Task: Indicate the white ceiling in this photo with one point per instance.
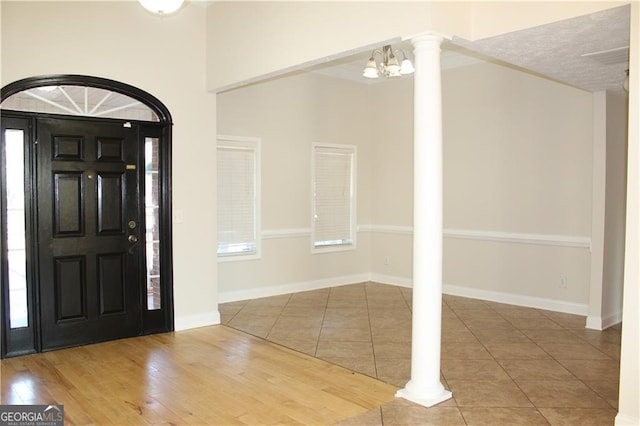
(588, 52)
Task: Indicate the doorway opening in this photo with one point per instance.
(85, 209)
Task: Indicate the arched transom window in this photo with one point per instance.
(82, 101)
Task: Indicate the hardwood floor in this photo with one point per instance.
(211, 375)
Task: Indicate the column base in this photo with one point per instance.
(425, 398)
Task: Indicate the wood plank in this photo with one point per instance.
(210, 375)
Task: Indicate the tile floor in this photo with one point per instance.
(505, 365)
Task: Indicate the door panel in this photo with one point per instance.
(111, 191)
(87, 191)
(68, 207)
(70, 288)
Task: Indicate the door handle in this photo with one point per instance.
(133, 239)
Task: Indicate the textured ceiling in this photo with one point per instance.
(558, 50)
(589, 52)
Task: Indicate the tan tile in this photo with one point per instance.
(473, 369)
(343, 313)
(447, 312)
(389, 311)
(453, 324)
(596, 337)
(516, 351)
(311, 294)
(390, 322)
(248, 313)
(393, 370)
(506, 335)
(467, 357)
(270, 301)
(407, 292)
(567, 320)
(477, 313)
(503, 416)
(353, 295)
(391, 334)
(242, 319)
(229, 310)
(279, 332)
(534, 324)
(611, 349)
(350, 289)
(347, 303)
(539, 369)
(344, 349)
(459, 336)
(392, 349)
(573, 351)
(346, 322)
(397, 380)
(392, 302)
(464, 350)
(488, 323)
(561, 394)
(303, 311)
(591, 369)
(607, 389)
(305, 346)
(579, 416)
(457, 302)
(364, 365)
(510, 312)
(487, 393)
(552, 336)
(255, 329)
(368, 418)
(299, 322)
(402, 412)
(361, 334)
(378, 288)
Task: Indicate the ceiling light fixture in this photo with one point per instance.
(161, 7)
(388, 65)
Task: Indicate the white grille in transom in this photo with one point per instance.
(79, 101)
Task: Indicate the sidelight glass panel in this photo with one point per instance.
(152, 220)
(16, 228)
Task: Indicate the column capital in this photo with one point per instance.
(430, 36)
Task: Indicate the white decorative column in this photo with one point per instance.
(425, 387)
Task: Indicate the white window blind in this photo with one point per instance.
(333, 196)
(238, 197)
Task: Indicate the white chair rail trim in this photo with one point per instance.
(465, 234)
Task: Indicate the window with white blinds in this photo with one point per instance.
(334, 195)
(238, 196)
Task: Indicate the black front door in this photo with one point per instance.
(88, 227)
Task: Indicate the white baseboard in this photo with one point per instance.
(197, 320)
(473, 293)
(497, 296)
(391, 280)
(600, 323)
(517, 299)
(624, 420)
(256, 293)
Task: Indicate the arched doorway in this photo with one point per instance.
(85, 211)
